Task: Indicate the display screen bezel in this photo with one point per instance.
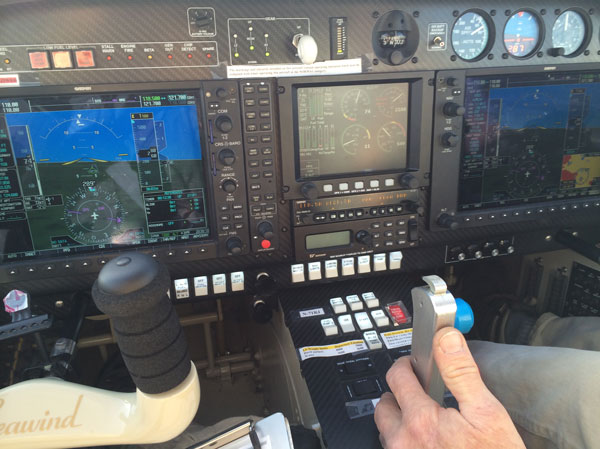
(146, 88)
(405, 159)
(517, 202)
(421, 89)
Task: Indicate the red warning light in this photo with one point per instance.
(109, 58)
(190, 56)
(266, 244)
(169, 56)
(208, 55)
(129, 57)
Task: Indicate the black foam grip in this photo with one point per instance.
(132, 291)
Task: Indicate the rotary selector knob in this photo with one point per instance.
(222, 92)
(224, 124)
(451, 81)
(265, 230)
(364, 237)
(447, 221)
(452, 109)
(234, 245)
(309, 191)
(449, 140)
(229, 186)
(409, 181)
(227, 156)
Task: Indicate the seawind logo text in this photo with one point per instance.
(47, 423)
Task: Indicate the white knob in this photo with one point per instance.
(307, 48)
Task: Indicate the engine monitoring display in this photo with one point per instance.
(79, 173)
(530, 138)
(351, 129)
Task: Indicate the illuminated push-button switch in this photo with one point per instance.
(379, 262)
(39, 60)
(329, 327)
(363, 321)
(348, 266)
(298, 273)
(182, 288)
(201, 285)
(380, 318)
(331, 269)
(338, 305)
(314, 271)
(61, 59)
(370, 300)
(237, 281)
(354, 302)
(219, 283)
(364, 264)
(85, 59)
(395, 260)
(374, 183)
(346, 323)
(372, 339)
(265, 244)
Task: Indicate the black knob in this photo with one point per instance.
(221, 92)
(452, 109)
(414, 207)
(413, 230)
(309, 191)
(409, 181)
(447, 221)
(234, 245)
(229, 186)
(224, 124)
(449, 139)
(364, 237)
(451, 81)
(558, 51)
(261, 311)
(132, 290)
(265, 230)
(227, 156)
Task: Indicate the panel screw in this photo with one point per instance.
(507, 12)
(504, 55)
(540, 54)
(416, 14)
(415, 60)
(490, 56)
(557, 12)
(375, 14)
(453, 58)
(375, 61)
(281, 90)
(543, 12)
(587, 52)
(455, 13)
(493, 12)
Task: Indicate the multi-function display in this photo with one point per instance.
(351, 129)
(530, 138)
(79, 173)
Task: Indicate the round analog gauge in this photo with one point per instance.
(393, 101)
(569, 32)
(470, 36)
(391, 136)
(522, 34)
(356, 103)
(355, 139)
(93, 215)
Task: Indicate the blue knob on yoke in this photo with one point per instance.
(464, 319)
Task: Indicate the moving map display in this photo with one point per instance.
(351, 129)
(79, 173)
(530, 138)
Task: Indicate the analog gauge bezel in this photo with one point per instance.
(541, 35)
(588, 32)
(491, 34)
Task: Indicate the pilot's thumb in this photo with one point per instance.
(458, 368)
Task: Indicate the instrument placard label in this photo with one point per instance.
(397, 339)
(348, 347)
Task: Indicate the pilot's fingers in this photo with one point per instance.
(406, 387)
(388, 416)
(458, 369)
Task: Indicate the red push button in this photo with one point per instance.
(85, 59)
(266, 244)
(39, 60)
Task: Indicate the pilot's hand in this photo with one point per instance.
(410, 419)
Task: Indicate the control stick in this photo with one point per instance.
(132, 290)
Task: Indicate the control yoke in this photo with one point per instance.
(51, 413)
